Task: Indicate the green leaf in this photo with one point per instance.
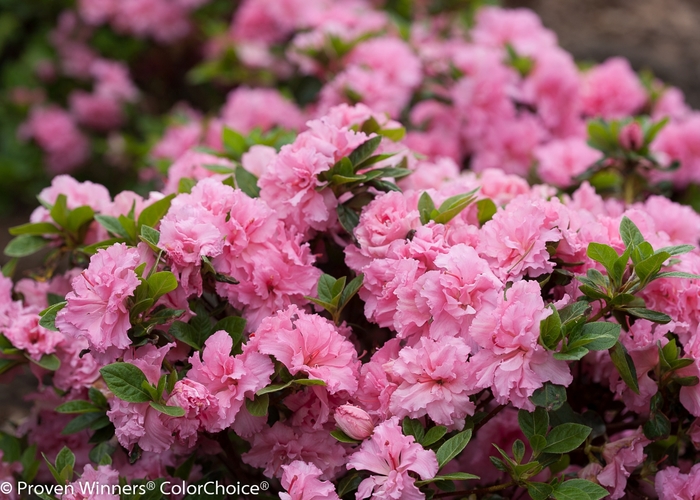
(47, 362)
(630, 233)
(604, 254)
(453, 447)
(153, 213)
(112, 225)
(349, 484)
(536, 422)
(25, 244)
(597, 336)
(658, 427)
(59, 211)
(126, 382)
(676, 250)
(364, 150)
(274, 388)
(550, 330)
(186, 184)
(453, 476)
(676, 274)
(129, 226)
(348, 218)
(234, 142)
(518, 450)
(161, 283)
(342, 437)
(77, 406)
(571, 354)
(35, 228)
(350, 290)
(655, 316)
(97, 397)
(433, 435)
(650, 266)
(247, 182)
(539, 491)
(8, 270)
(566, 437)
(625, 366)
(258, 407)
(172, 411)
(80, 423)
(395, 134)
(65, 458)
(78, 217)
(324, 289)
(413, 427)
(452, 206)
(219, 169)
(150, 236)
(308, 381)
(579, 489)
(425, 207)
(187, 334)
(48, 316)
(102, 453)
(11, 447)
(550, 396)
(485, 210)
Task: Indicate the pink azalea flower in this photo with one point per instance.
(309, 344)
(97, 306)
(433, 378)
(301, 482)
(622, 457)
(560, 161)
(229, 379)
(612, 90)
(671, 484)
(511, 361)
(26, 334)
(95, 484)
(281, 445)
(390, 456)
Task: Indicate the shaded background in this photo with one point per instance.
(660, 35)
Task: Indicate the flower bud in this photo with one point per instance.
(632, 137)
(354, 421)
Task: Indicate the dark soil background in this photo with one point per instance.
(660, 35)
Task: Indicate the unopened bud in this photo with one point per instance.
(354, 421)
(632, 137)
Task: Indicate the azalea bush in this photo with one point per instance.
(414, 251)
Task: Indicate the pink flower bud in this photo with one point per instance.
(631, 136)
(354, 421)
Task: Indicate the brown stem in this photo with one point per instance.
(488, 417)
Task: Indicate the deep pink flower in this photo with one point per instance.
(391, 455)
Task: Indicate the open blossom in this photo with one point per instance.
(248, 108)
(560, 161)
(101, 483)
(301, 482)
(97, 307)
(25, 333)
(390, 456)
(622, 457)
(433, 380)
(612, 90)
(309, 344)
(229, 379)
(281, 444)
(514, 242)
(511, 361)
(672, 484)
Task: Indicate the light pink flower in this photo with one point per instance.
(433, 380)
(248, 108)
(622, 457)
(95, 484)
(99, 112)
(97, 306)
(309, 344)
(391, 455)
(511, 361)
(671, 484)
(201, 410)
(281, 445)
(612, 90)
(191, 165)
(229, 379)
(301, 482)
(560, 161)
(54, 130)
(26, 334)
